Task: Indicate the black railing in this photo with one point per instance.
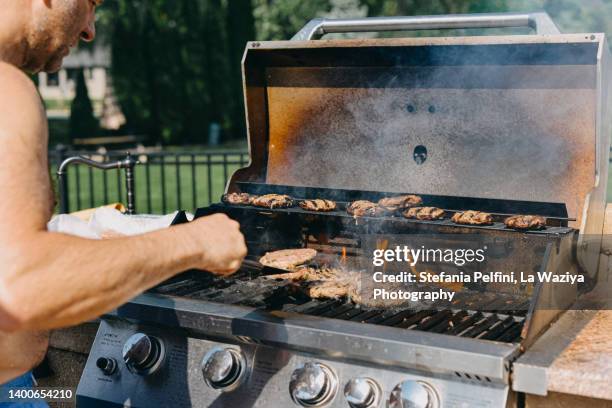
(163, 181)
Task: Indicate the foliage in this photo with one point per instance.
(83, 123)
(176, 63)
(281, 19)
(171, 67)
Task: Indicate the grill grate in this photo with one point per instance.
(248, 289)
(462, 323)
(349, 221)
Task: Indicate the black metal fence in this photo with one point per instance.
(164, 181)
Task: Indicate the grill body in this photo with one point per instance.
(506, 124)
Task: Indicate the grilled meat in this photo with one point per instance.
(307, 274)
(288, 258)
(334, 283)
(424, 213)
(349, 285)
(273, 201)
(318, 205)
(399, 202)
(329, 289)
(238, 198)
(473, 218)
(363, 208)
(525, 222)
(323, 282)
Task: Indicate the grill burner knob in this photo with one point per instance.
(108, 366)
(222, 368)
(313, 385)
(143, 354)
(413, 394)
(362, 393)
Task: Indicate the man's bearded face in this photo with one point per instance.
(57, 26)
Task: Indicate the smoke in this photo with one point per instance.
(495, 126)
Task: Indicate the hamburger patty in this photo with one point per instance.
(238, 198)
(307, 274)
(334, 283)
(424, 213)
(329, 289)
(399, 202)
(525, 222)
(363, 208)
(331, 283)
(324, 282)
(273, 201)
(288, 258)
(318, 205)
(472, 218)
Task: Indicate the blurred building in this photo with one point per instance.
(58, 89)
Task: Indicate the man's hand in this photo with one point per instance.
(222, 243)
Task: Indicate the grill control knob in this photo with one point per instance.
(143, 354)
(313, 385)
(222, 368)
(107, 365)
(413, 394)
(362, 393)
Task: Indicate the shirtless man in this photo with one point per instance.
(50, 280)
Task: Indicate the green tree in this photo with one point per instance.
(281, 19)
(170, 67)
(83, 123)
(176, 63)
(241, 29)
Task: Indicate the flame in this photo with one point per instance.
(343, 258)
(413, 267)
(383, 245)
(454, 286)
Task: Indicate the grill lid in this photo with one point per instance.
(500, 117)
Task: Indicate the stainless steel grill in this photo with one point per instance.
(506, 124)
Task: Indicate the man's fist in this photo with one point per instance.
(222, 243)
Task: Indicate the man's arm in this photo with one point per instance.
(50, 280)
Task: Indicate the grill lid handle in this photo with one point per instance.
(318, 27)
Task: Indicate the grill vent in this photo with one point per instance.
(474, 378)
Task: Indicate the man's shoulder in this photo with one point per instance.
(19, 99)
(12, 78)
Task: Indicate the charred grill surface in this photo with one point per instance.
(248, 288)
